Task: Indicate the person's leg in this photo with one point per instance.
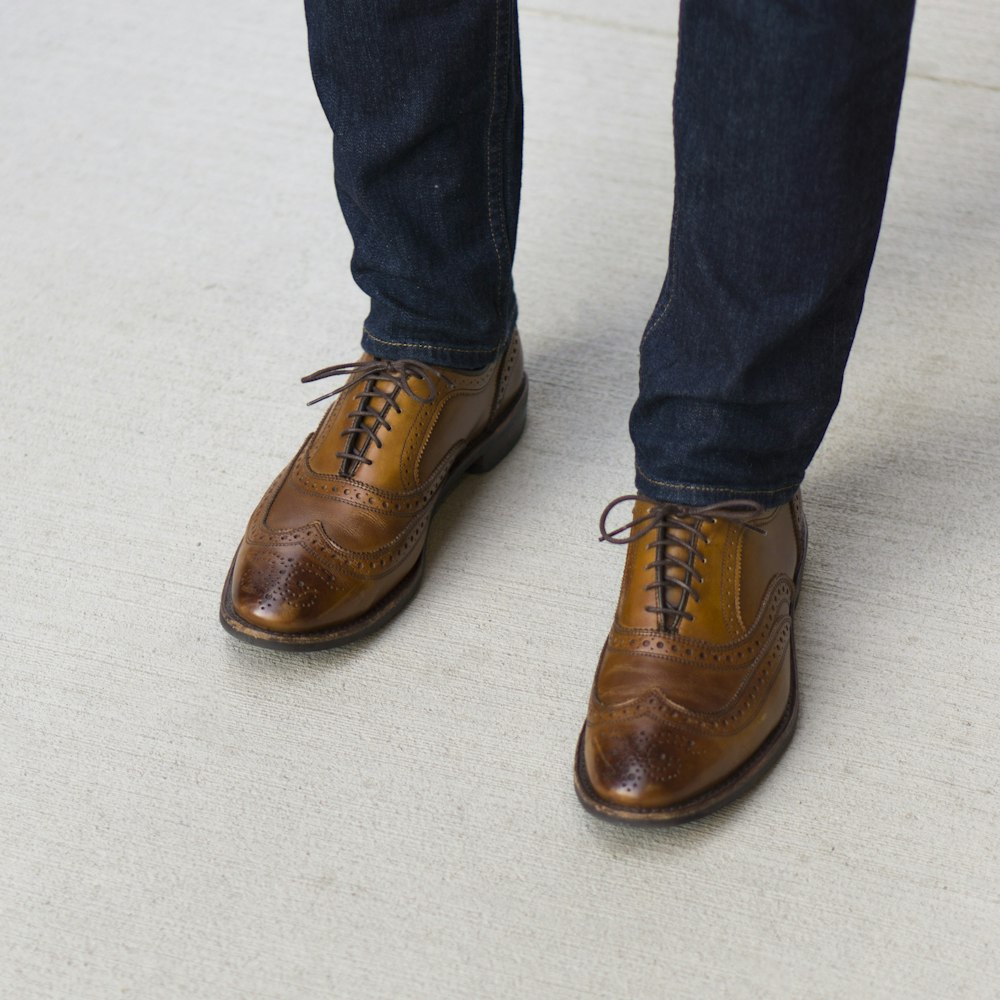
(784, 125)
(425, 104)
(784, 122)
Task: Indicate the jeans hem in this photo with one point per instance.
(696, 494)
(469, 358)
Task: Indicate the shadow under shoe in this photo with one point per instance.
(695, 693)
(336, 547)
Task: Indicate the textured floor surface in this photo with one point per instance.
(187, 817)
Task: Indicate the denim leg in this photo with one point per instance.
(424, 98)
(784, 126)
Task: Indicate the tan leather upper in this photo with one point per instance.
(679, 703)
(334, 535)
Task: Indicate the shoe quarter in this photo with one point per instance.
(458, 414)
(634, 597)
(716, 613)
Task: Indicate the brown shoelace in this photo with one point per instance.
(675, 525)
(369, 373)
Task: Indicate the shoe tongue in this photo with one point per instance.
(634, 596)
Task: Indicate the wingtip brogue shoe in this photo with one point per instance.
(695, 693)
(335, 548)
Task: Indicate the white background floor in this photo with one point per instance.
(187, 817)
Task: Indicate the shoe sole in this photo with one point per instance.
(483, 454)
(753, 770)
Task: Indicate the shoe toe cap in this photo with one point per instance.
(642, 765)
(282, 589)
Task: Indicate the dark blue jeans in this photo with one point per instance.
(784, 125)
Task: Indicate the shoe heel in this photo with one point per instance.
(503, 439)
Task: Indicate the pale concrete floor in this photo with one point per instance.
(186, 817)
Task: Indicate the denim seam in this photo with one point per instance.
(431, 347)
(658, 314)
(489, 153)
(673, 265)
(713, 489)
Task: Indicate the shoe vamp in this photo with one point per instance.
(625, 676)
(698, 677)
(349, 519)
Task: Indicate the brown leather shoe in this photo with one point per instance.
(695, 694)
(336, 547)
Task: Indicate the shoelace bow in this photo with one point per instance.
(372, 372)
(671, 523)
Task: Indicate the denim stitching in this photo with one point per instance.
(430, 347)
(673, 265)
(489, 151)
(713, 489)
(672, 268)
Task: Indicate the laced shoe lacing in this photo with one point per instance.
(676, 526)
(367, 421)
